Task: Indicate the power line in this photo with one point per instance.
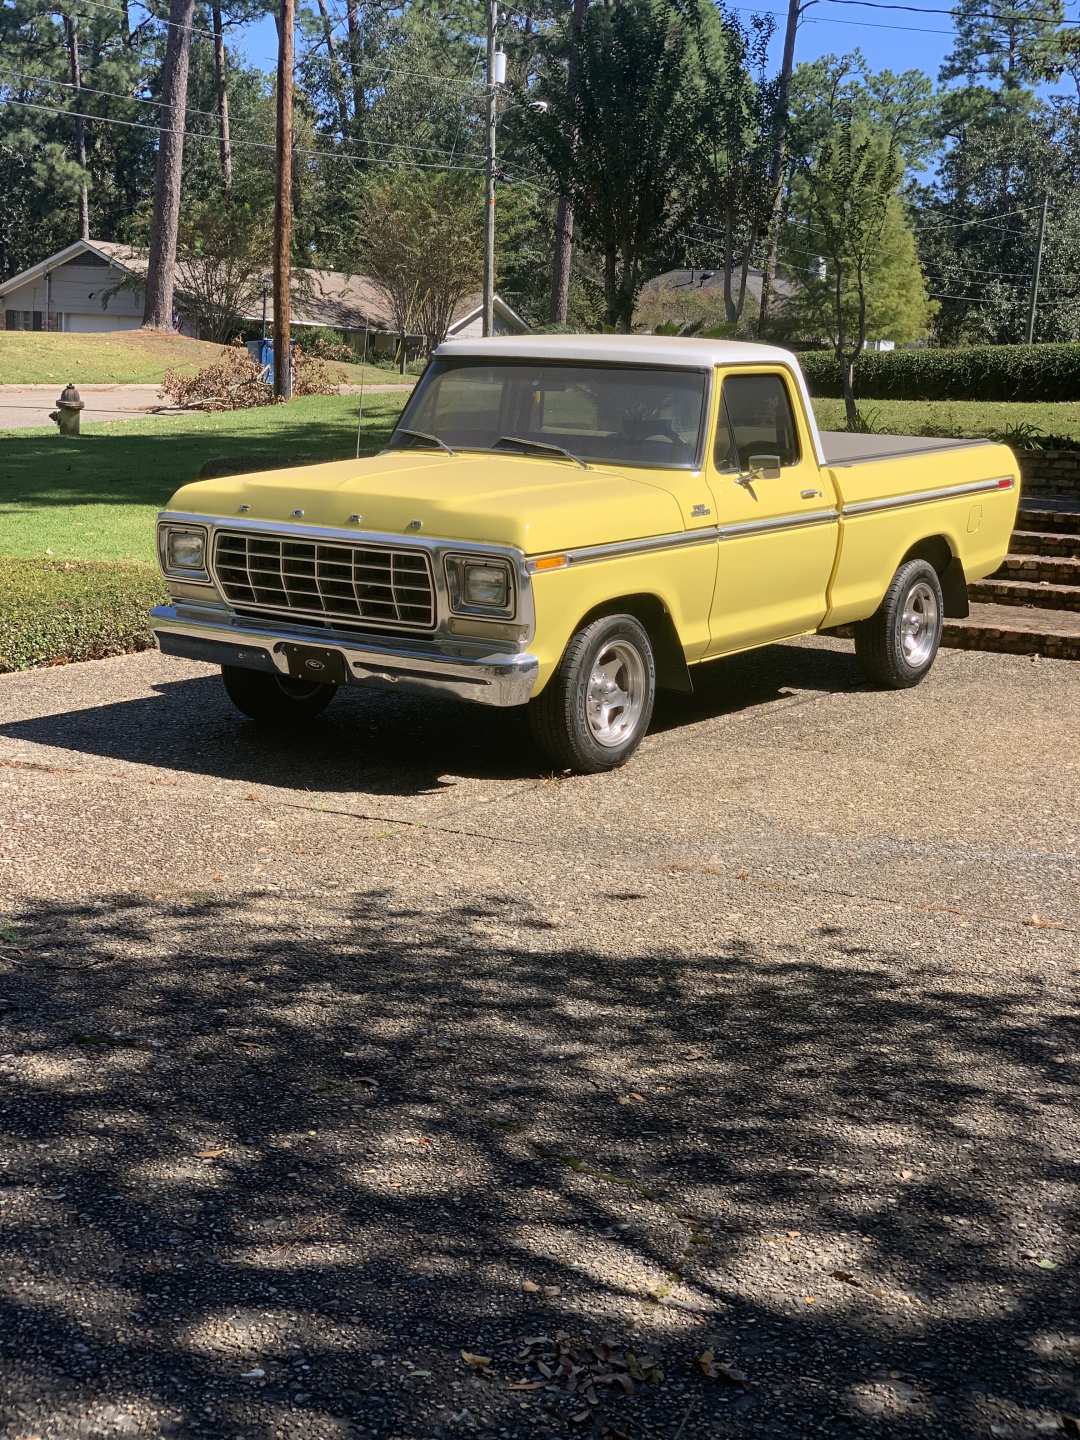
(859, 24)
(246, 144)
(952, 10)
(116, 10)
(191, 110)
(959, 224)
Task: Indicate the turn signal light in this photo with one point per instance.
(550, 562)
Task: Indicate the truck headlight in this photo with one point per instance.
(480, 585)
(182, 552)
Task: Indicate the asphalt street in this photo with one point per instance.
(385, 1085)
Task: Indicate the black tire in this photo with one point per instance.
(891, 652)
(276, 702)
(559, 717)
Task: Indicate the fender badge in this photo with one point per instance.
(415, 525)
(243, 509)
(298, 514)
(355, 519)
(699, 510)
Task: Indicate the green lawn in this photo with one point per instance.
(954, 417)
(95, 498)
(124, 357)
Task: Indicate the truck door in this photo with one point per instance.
(776, 512)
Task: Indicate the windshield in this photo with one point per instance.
(628, 415)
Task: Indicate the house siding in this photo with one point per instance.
(77, 288)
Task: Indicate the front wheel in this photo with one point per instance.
(898, 644)
(277, 702)
(594, 711)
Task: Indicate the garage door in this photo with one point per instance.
(97, 322)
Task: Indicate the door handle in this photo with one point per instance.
(809, 494)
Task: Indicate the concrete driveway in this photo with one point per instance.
(384, 1086)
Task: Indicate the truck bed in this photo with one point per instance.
(842, 448)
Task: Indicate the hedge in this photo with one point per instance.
(979, 372)
(57, 610)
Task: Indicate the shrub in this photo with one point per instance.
(57, 610)
(976, 372)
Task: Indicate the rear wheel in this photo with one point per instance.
(898, 644)
(594, 711)
(276, 702)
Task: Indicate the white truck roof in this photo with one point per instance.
(621, 350)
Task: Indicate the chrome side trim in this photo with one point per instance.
(923, 497)
(708, 534)
(797, 521)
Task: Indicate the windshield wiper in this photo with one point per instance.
(423, 435)
(539, 445)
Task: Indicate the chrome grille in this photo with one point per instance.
(375, 584)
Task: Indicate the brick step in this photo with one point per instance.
(1026, 592)
(1058, 570)
(1035, 542)
(1015, 630)
(1049, 515)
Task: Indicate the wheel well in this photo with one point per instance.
(672, 671)
(937, 551)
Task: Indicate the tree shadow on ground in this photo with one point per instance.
(376, 741)
(271, 1164)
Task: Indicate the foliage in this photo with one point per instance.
(421, 241)
(977, 372)
(870, 277)
(680, 310)
(619, 142)
(736, 126)
(224, 259)
(58, 610)
(236, 382)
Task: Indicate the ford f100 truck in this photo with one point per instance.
(568, 522)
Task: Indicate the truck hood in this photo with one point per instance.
(525, 501)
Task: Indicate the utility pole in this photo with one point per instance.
(283, 204)
(1035, 274)
(496, 74)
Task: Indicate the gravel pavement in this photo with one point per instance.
(386, 1086)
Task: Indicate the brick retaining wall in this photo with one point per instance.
(1050, 472)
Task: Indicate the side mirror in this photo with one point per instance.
(763, 467)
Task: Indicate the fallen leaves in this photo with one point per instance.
(714, 1369)
(210, 1154)
(476, 1362)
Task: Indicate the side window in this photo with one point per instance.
(759, 422)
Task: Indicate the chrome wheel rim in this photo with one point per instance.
(919, 624)
(616, 695)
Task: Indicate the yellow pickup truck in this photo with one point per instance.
(567, 522)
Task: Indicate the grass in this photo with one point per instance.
(955, 417)
(124, 357)
(95, 497)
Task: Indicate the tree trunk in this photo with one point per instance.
(337, 83)
(161, 270)
(563, 259)
(610, 285)
(729, 234)
(776, 172)
(224, 137)
(71, 29)
(356, 62)
(851, 410)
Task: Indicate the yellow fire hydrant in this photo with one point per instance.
(67, 412)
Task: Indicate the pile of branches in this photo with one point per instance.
(237, 382)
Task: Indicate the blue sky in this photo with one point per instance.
(889, 40)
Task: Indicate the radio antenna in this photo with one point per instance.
(360, 411)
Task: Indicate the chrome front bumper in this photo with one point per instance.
(464, 668)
